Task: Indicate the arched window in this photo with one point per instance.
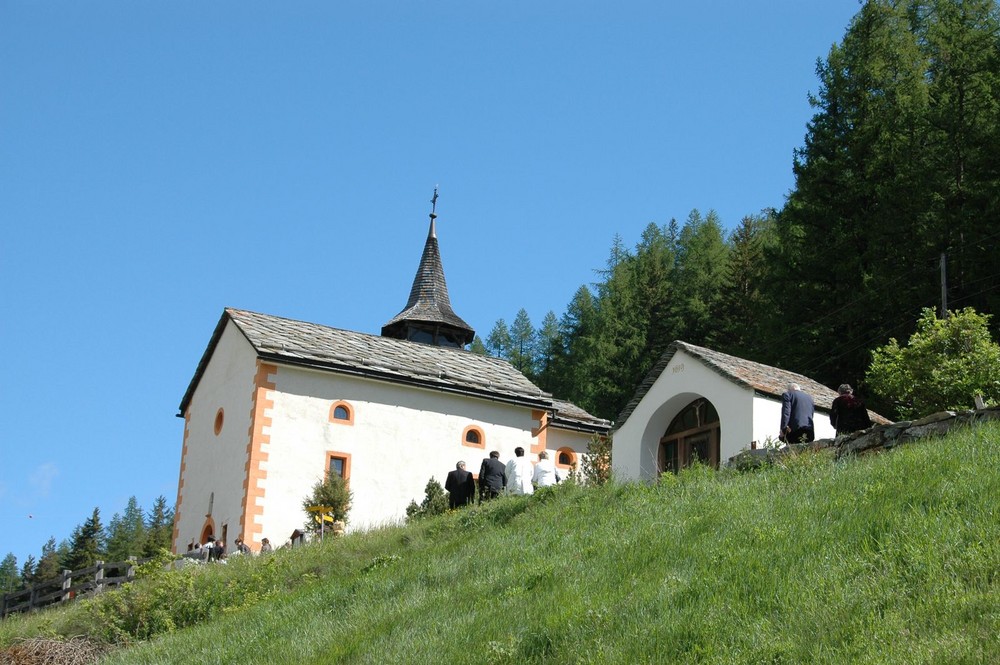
(694, 434)
(341, 413)
(566, 458)
(474, 437)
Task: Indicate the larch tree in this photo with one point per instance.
(86, 544)
(127, 532)
(523, 344)
(498, 342)
(48, 566)
(10, 576)
(159, 528)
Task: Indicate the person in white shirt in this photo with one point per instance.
(545, 474)
(519, 473)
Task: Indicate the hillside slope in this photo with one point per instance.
(887, 559)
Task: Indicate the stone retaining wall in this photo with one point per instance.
(875, 438)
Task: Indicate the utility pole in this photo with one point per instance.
(944, 287)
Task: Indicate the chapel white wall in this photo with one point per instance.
(400, 437)
(558, 438)
(211, 482)
(767, 421)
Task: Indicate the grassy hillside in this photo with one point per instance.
(887, 559)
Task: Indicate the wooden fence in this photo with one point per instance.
(69, 585)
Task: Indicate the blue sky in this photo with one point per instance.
(162, 161)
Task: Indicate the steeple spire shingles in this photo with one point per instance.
(428, 316)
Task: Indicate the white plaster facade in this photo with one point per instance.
(746, 412)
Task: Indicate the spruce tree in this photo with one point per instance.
(498, 342)
(899, 167)
(10, 577)
(478, 347)
(523, 344)
(741, 313)
(126, 532)
(701, 264)
(551, 354)
(87, 543)
(159, 528)
(28, 571)
(49, 564)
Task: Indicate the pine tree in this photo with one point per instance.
(742, 310)
(435, 502)
(28, 571)
(10, 577)
(126, 532)
(498, 342)
(656, 292)
(331, 492)
(523, 344)
(899, 166)
(478, 347)
(570, 378)
(159, 528)
(49, 564)
(963, 77)
(551, 353)
(87, 543)
(701, 263)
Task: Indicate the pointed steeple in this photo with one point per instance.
(428, 316)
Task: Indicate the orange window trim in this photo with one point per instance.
(334, 454)
(347, 407)
(478, 430)
(572, 457)
(249, 529)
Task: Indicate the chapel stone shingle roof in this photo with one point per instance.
(764, 379)
(447, 369)
(570, 415)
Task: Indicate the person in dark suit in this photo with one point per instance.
(461, 486)
(848, 413)
(797, 410)
(492, 477)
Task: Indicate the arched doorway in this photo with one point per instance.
(693, 434)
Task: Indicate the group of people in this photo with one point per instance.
(847, 414)
(215, 550)
(518, 476)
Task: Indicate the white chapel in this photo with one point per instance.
(275, 404)
(698, 403)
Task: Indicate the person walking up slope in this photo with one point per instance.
(519, 473)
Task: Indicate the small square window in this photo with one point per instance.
(337, 466)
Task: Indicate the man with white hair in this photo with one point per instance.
(461, 487)
(797, 410)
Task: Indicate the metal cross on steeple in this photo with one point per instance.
(434, 202)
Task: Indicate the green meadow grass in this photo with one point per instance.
(885, 559)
